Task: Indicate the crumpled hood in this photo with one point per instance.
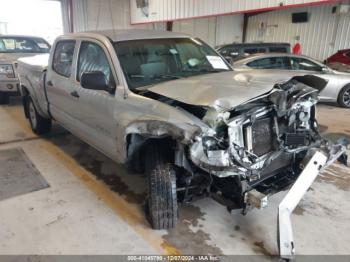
(222, 91)
(12, 57)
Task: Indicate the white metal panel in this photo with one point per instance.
(229, 29)
(320, 37)
(213, 30)
(185, 9)
(204, 28)
(102, 14)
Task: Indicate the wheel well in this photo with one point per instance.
(137, 145)
(341, 90)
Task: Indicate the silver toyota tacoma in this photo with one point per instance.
(168, 105)
(13, 47)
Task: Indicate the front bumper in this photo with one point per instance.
(319, 161)
(9, 86)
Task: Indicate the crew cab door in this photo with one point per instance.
(95, 122)
(59, 82)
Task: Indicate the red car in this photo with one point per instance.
(342, 56)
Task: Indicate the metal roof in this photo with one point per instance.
(20, 36)
(267, 55)
(132, 34)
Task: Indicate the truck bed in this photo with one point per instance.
(31, 71)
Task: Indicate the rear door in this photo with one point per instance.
(59, 82)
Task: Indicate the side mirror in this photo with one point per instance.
(325, 69)
(95, 80)
(229, 59)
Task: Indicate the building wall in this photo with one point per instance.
(146, 11)
(204, 29)
(229, 29)
(115, 14)
(321, 36)
(100, 14)
(213, 30)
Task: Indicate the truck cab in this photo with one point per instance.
(168, 105)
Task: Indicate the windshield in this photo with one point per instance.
(23, 45)
(151, 61)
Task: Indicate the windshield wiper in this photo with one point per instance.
(205, 70)
(157, 76)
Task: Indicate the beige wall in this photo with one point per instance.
(213, 30)
(323, 35)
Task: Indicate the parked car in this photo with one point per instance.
(168, 104)
(339, 61)
(342, 56)
(235, 51)
(11, 48)
(283, 66)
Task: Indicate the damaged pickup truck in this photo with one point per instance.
(168, 105)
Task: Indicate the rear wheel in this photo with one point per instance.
(4, 99)
(344, 97)
(39, 124)
(162, 198)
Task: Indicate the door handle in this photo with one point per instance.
(75, 94)
(49, 83)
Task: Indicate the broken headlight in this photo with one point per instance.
(7, 70)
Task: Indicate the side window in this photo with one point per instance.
(270, 63)
(254, 50)
(223, 51)
(304, 64)
(63, 58)
(226, 51)
(93, 58)
(278, 49)
(347, 54)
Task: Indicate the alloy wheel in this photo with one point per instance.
(32, 114)
(346, 97)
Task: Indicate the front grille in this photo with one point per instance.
(294, 140)
(262, 136)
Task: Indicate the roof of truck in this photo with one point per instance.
(133, 34)
(20, 36)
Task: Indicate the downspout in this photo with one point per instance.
(169, 26)
(70, 16)
(245, 26)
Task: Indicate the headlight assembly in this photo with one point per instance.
(7, 70)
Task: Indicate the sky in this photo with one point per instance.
(31, 17)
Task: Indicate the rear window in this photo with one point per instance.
(23, 45)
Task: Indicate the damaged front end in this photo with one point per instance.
(267, 136)
(264, 146)
(245, 151)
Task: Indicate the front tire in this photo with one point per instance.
(39, 124)
(344, 97)
(4, 99)
(162, 195)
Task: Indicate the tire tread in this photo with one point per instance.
(162, 189)
(43, 124)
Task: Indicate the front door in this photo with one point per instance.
(95, 108)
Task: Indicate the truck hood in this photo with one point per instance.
(222, 91)
(10, 58)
